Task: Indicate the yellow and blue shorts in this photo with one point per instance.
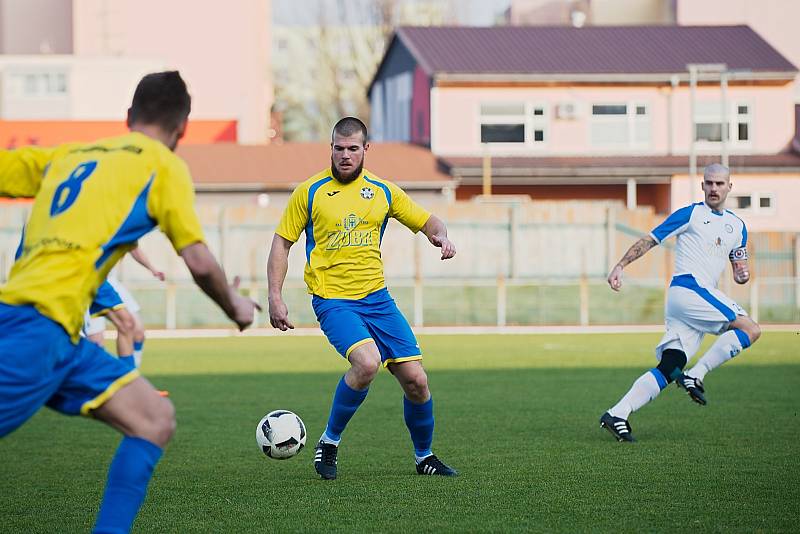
(105, 300)
(39, 365)
(348, 324)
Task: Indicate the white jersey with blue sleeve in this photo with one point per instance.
(705, 241)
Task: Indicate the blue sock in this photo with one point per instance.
(138, 349)
(346, 401)
(128, 360)
(128, 476)
(419, 420)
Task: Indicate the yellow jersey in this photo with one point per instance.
(344, 226)
(94, 202)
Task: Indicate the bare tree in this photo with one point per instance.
(350, 39)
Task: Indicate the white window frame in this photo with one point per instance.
(734, 120)
(755, 203)
(530, 123)
(633, 124)
(55, 77)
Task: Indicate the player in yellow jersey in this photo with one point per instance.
(93, 202)
(343, 212)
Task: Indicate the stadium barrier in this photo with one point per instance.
(518, 263)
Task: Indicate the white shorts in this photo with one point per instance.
(93, 325)
(124, 294)
(692, 312)
(96, 325)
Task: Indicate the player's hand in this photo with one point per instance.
(159, 274)
(447, 246)
(741, 274)
(279, 314)
(244, 308)
(615, 278)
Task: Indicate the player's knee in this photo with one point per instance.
(414, 382)
(749, 327)
(366, 369)
(672, 363)
(138, 333)
(163, 422)
(753, 332)
(417, 388)
(126, 324)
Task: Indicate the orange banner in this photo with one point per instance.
(49, 133)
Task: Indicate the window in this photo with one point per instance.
(742, 203)
(538, 124)
(743, 119)
(708, 122)
(620, 125)
(513, 123)
(503, 123)
(761, 203)
(38, 84)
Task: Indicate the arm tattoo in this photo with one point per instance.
(637, 250)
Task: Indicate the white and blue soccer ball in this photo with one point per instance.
(281, 434)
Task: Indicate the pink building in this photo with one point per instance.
(82, 61)
(596, 112)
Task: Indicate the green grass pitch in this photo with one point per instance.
(517, 415)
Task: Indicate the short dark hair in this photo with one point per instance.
(161, 98)
(348, 126)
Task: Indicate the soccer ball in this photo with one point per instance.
(281, 434)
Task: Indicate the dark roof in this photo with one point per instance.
(589, 50)
(228, 166)
(649, 168)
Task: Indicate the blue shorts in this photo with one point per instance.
(348, 324)
(105, 300)
(39, 365)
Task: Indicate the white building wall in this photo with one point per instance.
(48, 87)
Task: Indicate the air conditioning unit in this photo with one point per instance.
(567, 110)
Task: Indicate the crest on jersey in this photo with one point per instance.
(367, 193)
(718, 242)
(350, 222)
(729, 228)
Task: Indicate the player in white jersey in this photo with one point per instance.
(123, 310)
(708, 237)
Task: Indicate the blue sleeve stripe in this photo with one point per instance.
(388, 194)
(310, 241)
(136, 224)
(744, 235)
(688, 281)
(744, 229)
(662, 382)
(672, 223)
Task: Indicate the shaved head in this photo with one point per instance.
(717, 170)
(716, 185)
